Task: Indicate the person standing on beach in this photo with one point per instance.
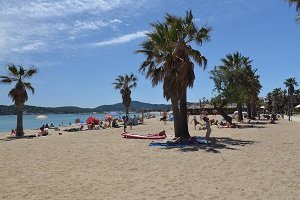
(208, 129)
(125, 119)
(195, 121)
(164, 117)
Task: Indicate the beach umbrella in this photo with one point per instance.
(298, 106)
(92, 119)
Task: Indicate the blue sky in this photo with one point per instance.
(81, 46)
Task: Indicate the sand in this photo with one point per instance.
(249, 163)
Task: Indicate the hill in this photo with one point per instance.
(136, 106)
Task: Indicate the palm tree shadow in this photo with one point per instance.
(10, 138)
(215, 147)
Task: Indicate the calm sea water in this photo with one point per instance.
(9, 122)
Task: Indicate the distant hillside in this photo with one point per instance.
(135, 106)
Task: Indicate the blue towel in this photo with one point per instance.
(170, 144)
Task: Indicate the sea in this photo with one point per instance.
(8, 122)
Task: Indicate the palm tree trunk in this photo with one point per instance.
(177, 125)
(290, 103)
(249, 110)
(183, 115)
(20, 131)
(127, 112)
(223, 114)
(240, 112)
(253, 111)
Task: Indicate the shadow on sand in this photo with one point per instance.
(11, 138)
(220, 143)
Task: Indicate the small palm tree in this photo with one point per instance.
(125, 84)
(19, 94)
(290, 83)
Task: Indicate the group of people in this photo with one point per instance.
(206, 125)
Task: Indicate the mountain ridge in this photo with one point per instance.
(136, 106)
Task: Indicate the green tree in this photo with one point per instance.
(235, 81)
(18, 75)
(125, 84)
(171, 59)
(277, 96)
(290, 83)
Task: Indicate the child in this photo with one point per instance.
(208, 129)
(195, 121)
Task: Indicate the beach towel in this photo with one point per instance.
(198, 141)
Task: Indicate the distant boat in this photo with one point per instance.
(41, 117)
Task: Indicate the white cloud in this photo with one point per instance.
(59, 8)
(36, 45)
(115, 21)
(32, 26)
(88, 25)
(122, 39)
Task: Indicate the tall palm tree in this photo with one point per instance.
(170, 59)
(17, 74)
(125, 84)
(290, 83)
(160, 66)
(184, 33)
(297, 3)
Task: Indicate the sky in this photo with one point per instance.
(81, 46)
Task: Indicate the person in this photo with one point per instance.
(195, 121)
(115, 124)
(208, 129)
(81, 128)
(43, 132)
(13, 132)
(164, 117)
(125, 119)
(109, 122)
(272, 119)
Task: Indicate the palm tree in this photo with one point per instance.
(290, 83)
(233, 80)
(186, 32)
(170, 59)
(159, 66)
(297, 3)
(277, 100)
(125, 84)
(19, 94)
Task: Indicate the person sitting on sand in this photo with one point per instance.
(13, 132)
(43, 132)
(115, 124)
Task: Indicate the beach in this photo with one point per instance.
(262, 162)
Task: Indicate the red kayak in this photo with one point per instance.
(158, 136)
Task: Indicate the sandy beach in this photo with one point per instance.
(262, 162)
